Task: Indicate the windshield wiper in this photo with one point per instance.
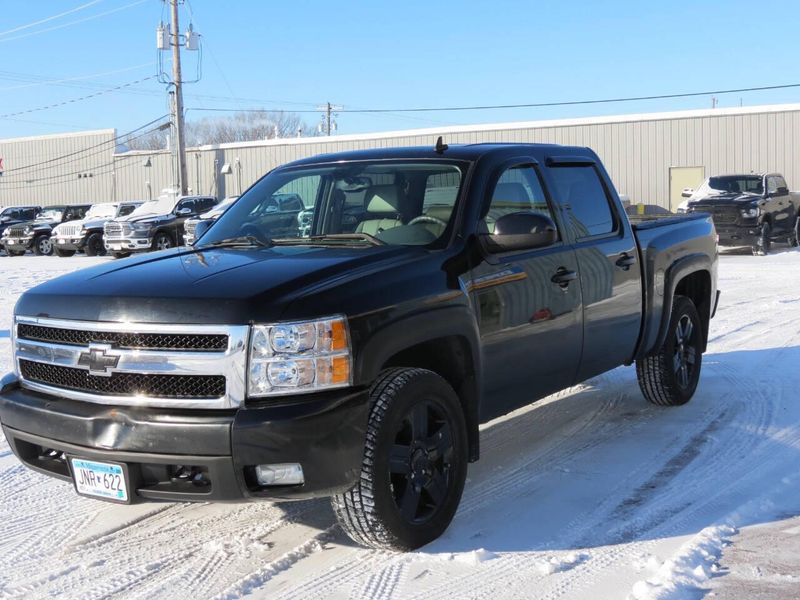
(242, 241)
(331, 237)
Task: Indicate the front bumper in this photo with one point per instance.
(68, 243)
(324, 432)
(131, 244)
(735, 235)
(15, 243)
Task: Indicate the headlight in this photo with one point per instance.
(140, 226)
(292, 358)
(750, 213)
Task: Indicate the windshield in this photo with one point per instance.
(98, 211)
(126, 209)
(50, 214)
(737, 184)
(160, 206)
(396, 203)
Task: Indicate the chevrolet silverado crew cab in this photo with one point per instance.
(35, 235)
(749, 210)
(86, 235)
(355, 356)
(155, 225)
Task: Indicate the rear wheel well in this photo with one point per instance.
(697, 287)
(451, 358)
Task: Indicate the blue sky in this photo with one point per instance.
(296, 55)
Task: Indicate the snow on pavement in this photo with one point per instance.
(591, 493)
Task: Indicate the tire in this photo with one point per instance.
(42, 245)
(794, 236)
(388, 508)
(94, 245)
(120, 254)
(64, 253)
(669, 376)
(763, 243)
(162, 241)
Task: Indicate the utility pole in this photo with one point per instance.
(328, 124)
(180, 142)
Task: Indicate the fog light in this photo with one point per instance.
(280, 474)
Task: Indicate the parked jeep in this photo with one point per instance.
(35, 235)
(355, 356)
(86, 235)
(13, 215)
(155, 225)
(749, 210)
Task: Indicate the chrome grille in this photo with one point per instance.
(114, 229)
(68, 230)
(16, 231)
(133, 364)
(146, 341)
(189, 227)
(125, 384)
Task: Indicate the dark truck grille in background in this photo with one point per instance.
(125, 384)
(140, 341)
(16, 231)
(723, 215)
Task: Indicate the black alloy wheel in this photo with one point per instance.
(162, 241)
(420, 462)
(763, 243)
(684, 359)
(94, 245)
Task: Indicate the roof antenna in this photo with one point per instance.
(440, 146)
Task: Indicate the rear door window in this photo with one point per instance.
(580, 189)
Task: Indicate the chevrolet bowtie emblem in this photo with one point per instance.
(97, 360)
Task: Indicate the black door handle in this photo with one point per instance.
(625, 262)
(563, 277)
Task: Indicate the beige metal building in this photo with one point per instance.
(651, 157)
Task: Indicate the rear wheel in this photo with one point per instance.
(64, 253)
(42, 245)
(94, 245)
(763, 243)
(669, 376)
(414, 466)
(162, 241)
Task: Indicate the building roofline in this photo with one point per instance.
(69, 134)
(540, 124)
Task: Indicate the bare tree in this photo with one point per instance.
(238, 127)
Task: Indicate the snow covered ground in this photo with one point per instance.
(590, 494)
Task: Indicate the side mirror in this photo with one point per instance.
(202, 227)
(687, 193)
(182, 212)
(781, 191)
(523, 230)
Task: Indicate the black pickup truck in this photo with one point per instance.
(431, 290)
(749, 209)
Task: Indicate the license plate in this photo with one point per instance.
(99, 479)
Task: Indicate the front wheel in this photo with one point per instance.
(669, 376)
(120, 254)
(162, 241)
(94, 245)
(42, 245)
(763, 242)
(414, 465)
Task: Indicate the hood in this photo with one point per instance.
(146, 218)
(214, 286)
(726, 198)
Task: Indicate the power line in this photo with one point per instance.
(77, 152)
(73, 100)
(507, 106)
(46, 81)
(70, 23)
(51, 18)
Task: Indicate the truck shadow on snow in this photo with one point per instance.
(597, 465)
